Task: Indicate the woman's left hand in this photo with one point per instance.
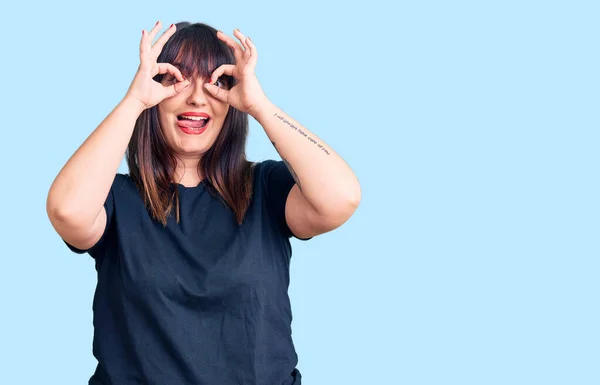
(247, 95)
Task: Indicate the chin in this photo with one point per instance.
(192, 148)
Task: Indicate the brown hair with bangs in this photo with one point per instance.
(196, 51)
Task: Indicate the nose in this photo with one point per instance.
(197, 96)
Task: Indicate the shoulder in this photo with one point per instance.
(124, 189)
(271, 171)
(123, 179)
(123, 183)
(264, 166)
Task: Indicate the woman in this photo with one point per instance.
(192, 246)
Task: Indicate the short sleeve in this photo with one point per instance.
(278, 182)
(97, 249)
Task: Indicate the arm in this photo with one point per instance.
(327, 192)
(75, 202)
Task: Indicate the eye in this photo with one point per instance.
(222, 82)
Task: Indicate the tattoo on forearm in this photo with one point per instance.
(299, 131)
(289, 166)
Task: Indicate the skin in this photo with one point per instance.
(330, 191)
(189, 148)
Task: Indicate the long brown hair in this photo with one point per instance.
(196, 51)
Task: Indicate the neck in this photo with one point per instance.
(187, 173)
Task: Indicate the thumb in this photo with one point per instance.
(217, 92)
(176, 88)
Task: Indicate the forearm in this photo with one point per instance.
(324, 178)
(81, 187)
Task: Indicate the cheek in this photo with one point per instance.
(167, 105)
(164, 111)
(223, 110)
(161, 119)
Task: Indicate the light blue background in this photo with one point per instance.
(472, 126)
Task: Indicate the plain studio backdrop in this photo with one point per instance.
(472, 127)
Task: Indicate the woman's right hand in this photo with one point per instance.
(143, 88)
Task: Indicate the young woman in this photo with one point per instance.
(192, 247)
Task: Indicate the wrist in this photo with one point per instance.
(262, 109)
(132, 103)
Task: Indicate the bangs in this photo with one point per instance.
(196, 51)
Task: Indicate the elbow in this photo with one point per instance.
(339, 213)
(333, 209)
(355, 198)
(54, 209)
(350, 200)
(60, 213)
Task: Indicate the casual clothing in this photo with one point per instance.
(203, 301)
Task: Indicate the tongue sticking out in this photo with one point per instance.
(192, 123)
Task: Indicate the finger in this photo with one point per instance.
(164, 68)
(147, 37)
(143, 45)
(237, 50)
(176, 88)
(226, 69)
(162, 40)
(253, 57)
(154, 31)
(237, 33)
(218, 92)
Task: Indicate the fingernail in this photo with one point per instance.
(142, 32)
(157, 23)
(171, 25)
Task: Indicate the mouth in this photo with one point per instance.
(192, 124)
